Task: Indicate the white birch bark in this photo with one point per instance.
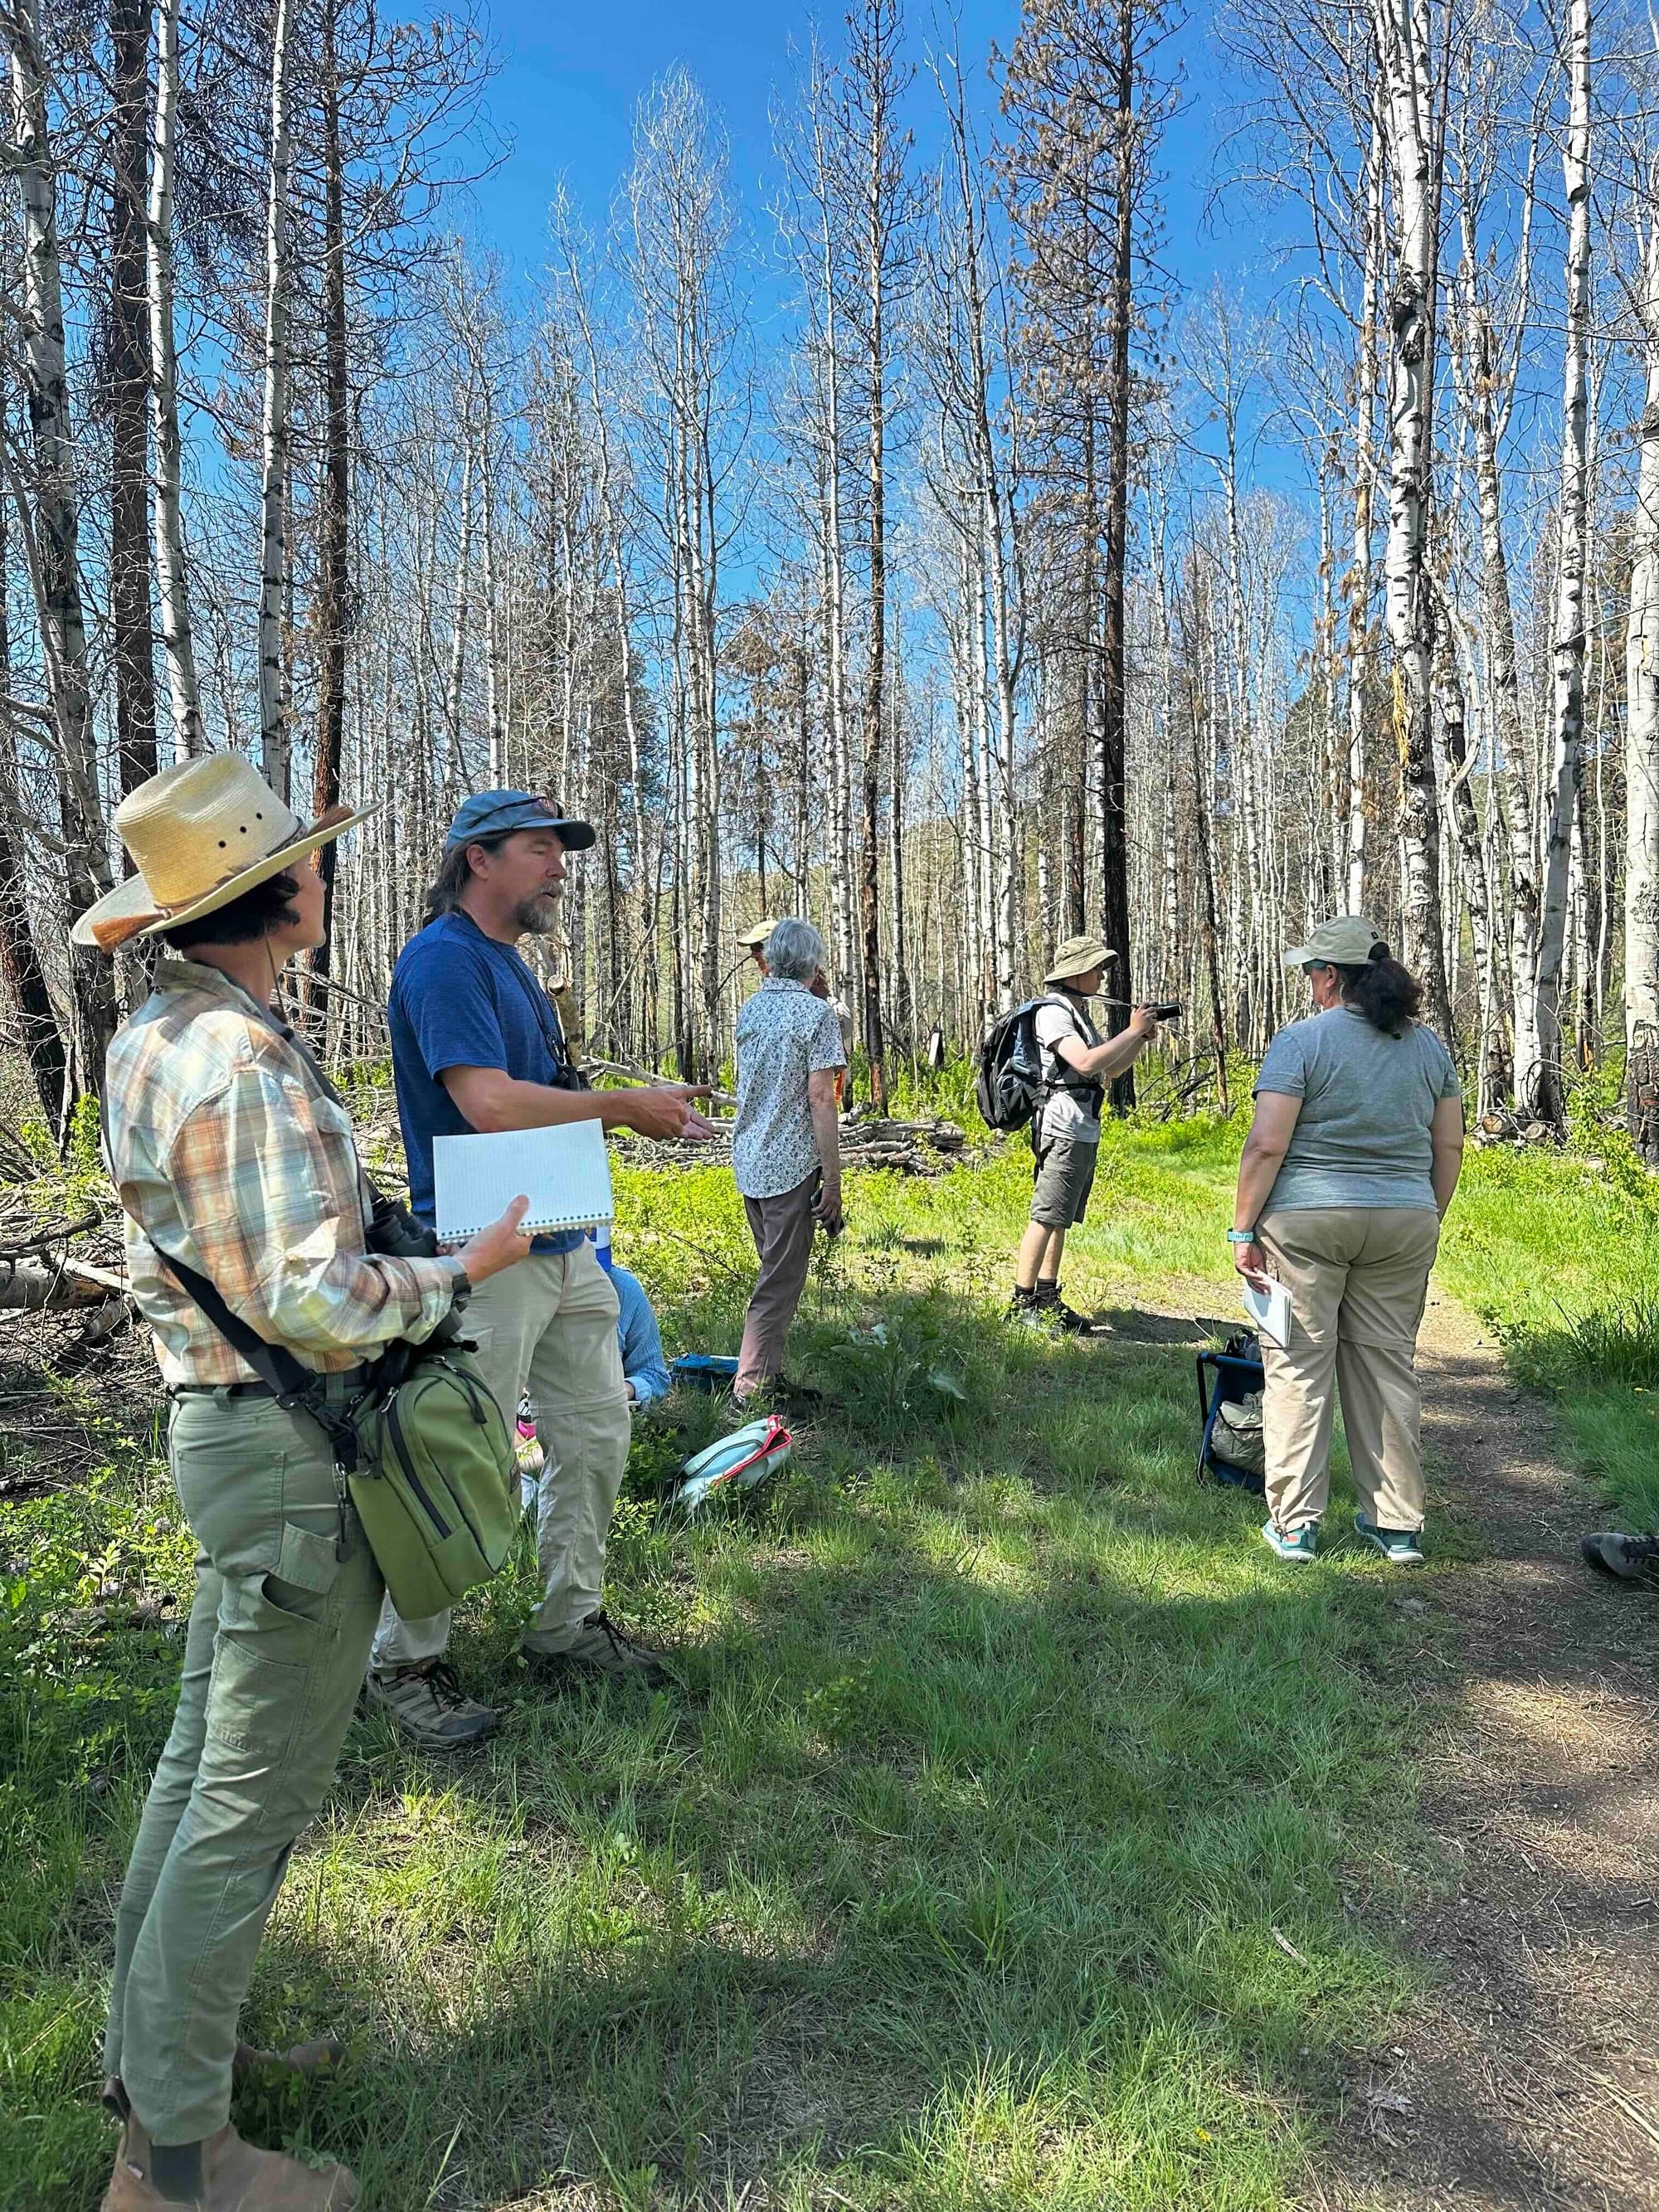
(1415, 156)
(274, 474)
(1642, 741)
(1540, 1088)
(171, 581)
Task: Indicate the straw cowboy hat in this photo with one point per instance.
(1077, 956)
(200, 835)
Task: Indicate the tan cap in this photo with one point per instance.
(1345, 941)
(759, 933)
(201, 833)
(1077, 956)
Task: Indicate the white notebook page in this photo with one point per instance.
(1270, 1309)
(564, 1171)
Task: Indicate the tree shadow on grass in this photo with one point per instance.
(1024, 1842)
(941, 1876)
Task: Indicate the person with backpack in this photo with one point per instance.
(477, 1045)
(1072, 1064)
(235, 1165)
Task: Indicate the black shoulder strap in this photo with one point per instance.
(273, 1363)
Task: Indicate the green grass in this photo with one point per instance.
(1029, 1837)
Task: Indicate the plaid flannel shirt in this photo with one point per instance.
(226, 1150)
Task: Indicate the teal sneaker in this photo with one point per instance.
(1301, 1544)
(1399, 1547)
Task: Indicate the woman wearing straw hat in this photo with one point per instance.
(1349, 1167)
(1065, 1133)
(231, 1155)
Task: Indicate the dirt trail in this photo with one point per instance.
(1532, 2076)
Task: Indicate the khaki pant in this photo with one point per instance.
(782, 1228)
(1358, 1279)
(279, 1630)
(547, 1325)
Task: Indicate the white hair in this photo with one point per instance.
(794, 950)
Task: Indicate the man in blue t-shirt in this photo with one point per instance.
(477, 1045)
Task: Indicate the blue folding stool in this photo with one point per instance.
(1236, 1373)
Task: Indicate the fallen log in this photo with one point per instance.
(37, 1286)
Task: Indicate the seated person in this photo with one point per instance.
(645, 1372)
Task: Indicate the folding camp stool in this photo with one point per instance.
(1234, 1372)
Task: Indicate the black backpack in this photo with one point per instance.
(1013, 1084)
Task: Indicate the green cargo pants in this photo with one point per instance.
(278, 1638)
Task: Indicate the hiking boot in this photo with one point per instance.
(1631, 1558)
(1401, 1547)
(1298, 1544)
(1022, 1307)
(1047, 1302)
(430, 1707)
(233, 2177)
(601, 1650)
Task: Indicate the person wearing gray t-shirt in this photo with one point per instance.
(1346, 1174)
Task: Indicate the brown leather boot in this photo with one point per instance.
(235, 2178)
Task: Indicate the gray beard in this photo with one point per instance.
(538, 915)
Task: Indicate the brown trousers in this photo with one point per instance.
(1358, 1279)
(782, 1228)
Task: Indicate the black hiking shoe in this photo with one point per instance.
(1051, 1306)
(602, 1652)
(1627, 1558)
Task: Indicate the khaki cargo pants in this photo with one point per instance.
(547, 1325)
(1358, 1277)
(274, 1656)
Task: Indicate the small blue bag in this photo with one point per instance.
(704, 1370)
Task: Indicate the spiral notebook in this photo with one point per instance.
(564, 1171)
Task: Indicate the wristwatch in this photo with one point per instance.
(1241, 1235)
(462, 1290)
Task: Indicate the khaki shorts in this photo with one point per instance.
(1064, 1176)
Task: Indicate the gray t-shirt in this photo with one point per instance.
(1066, 1111)
(1362, 1138)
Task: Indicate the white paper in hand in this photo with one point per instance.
(1270, 1309)
(564, 1171)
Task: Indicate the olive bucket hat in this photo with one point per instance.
(201, 833)
(1077, 956)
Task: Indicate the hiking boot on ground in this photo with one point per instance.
(1296, 1544)
(1051, 1306)
(1630, 1559)
(1022, 1307)
(232, 2176)
(430, 1707)
(601, 1652)
(1401, 1547)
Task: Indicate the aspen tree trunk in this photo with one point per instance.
(50, 537)
(1364, 475)
(274, 477)
(1642, 745)
(1415, 156)
(1112, 740)
(19, 960)
(173, 593)
(1465, 823)
(130, 636)
(456, 777)
(334, 523)
(492, 616)
(875, 677)
(1540, 1089)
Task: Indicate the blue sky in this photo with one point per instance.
(570, 78)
